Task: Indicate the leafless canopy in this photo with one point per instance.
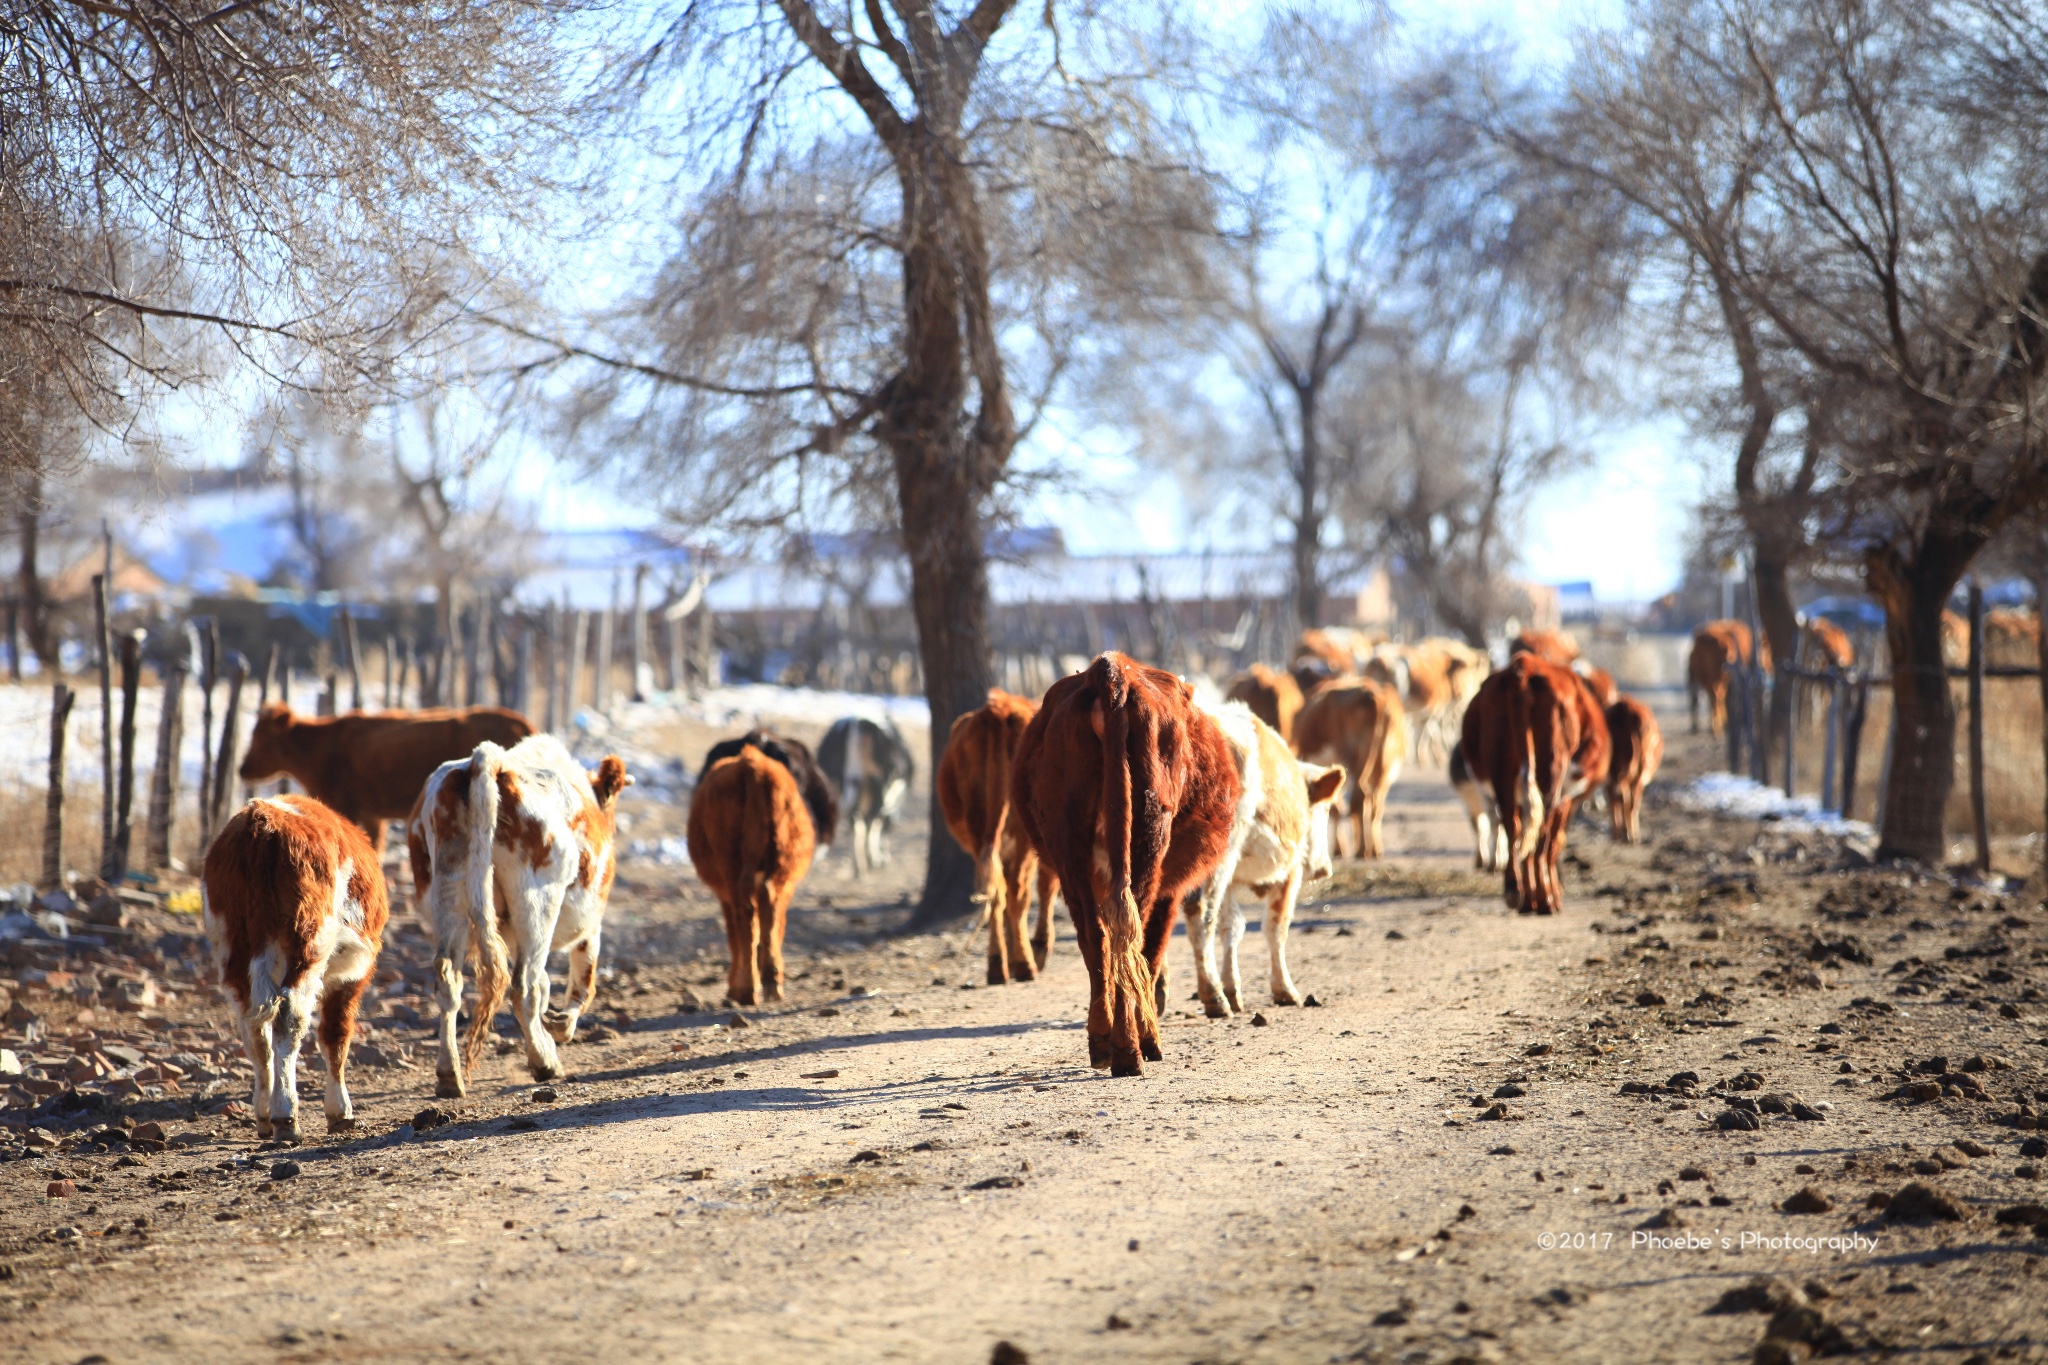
(292, 178)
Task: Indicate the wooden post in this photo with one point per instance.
(1852, 741)
(601, 689)
(230, 740)
(1789, 678)
(103, 646)
(1831, 735)
(351, 641)
(707, 657)
(405, 670)
(387, 671)
(672, 636)
(522, 670)
(1978, 820)
(284, 695)
(209, 672)
(497, 692)
(13, 640)
(163, 782)
(1759, 725)
(579, 638)
(61, 698)
(124, 793)
(643, 674)
(330, 695)
(472, 654)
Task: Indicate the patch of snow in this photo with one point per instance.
(672, 851)
(1747, 799)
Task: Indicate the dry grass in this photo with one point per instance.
(21, 835)
(2012, 758)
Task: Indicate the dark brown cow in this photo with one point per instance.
(1521, 738)
(371, 766)
(1638, 752)
(974, 793)
(1358, 724)
(750, 839)
(1552, 646)
(1274, 697)
(819, 797)
(1717, 647)
(1129, 791)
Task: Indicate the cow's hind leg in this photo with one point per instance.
(1279, 915)
(1233, 940)
(1041, 938)
(992, 879)
(1088, 934)
(256, 1042)
(448, 1078)
(742, 980)
(771, 908)
(1202, 926)
(1016, 904)
(337, 1031)
(561, 1023)
(287, 1034)
(531, 973)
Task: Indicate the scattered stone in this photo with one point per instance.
(148, 1132)
(1494, 1114)
(1926, 1165)
(818, 1075)
(862, 1158)
(2034, 1147)
(1649, 998)
(1392, 1317)
(999, 1182)
(2028, 1171)
(1509, 1091)
(1260, 1021)
(1737, 1121)
(1502, 1150)
(1918, 1202)
(284, 1170)
(60, 1189)
(543, 1094)
(739, 1021)
(1537, 1050)
(1396, 934)
(1007, 1354)
(1311, 1003)
(1974, 1149)
(1806, 1113)
(1663, 1218)
(1798, 1331)
(520, 1123)
(430, 1118)
(1761, 1295)
(1807, 1200)
(2027, 1215)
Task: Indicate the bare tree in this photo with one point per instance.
(860, 275)
(293, 179)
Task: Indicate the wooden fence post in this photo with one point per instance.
(124, 795)
(1978, 819)
(601, 689)
(163, 782)
(643, 675)
(522, 669)
(472, 632)
(209, 672)
(1788, 678)
(1831, 742)
(13, 640)
(61, 698)
(230, 740)
(103, 646)
(1852, 741)
(579, 638)
(707, 657)
(351, 641)
(558, 666)
(387, 671)
(405, 669)
(284, 695)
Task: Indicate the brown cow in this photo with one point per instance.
(1360, 725)
(1420, 676)
(371, 766)
(1526, 739)
(295, 907)
(751, 841)
(1129, 790)
(974, 794)
(1717, 647)
(1825, 644)
(2012, 638)
(1552, 646)
(1601, 681)
(1274, 697)
(1638, 752)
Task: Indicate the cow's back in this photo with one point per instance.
(374, 766)
(748, 824)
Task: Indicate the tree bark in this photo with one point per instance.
(1773, 587)
(35, 606)
(1914, 593)
(1308, 517)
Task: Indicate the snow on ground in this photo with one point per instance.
(1747, 799)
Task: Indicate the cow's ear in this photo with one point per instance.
(1325, 785)
(1187, 690)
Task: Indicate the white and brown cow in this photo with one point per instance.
(1279, 838)
(512, 859)
(294, 905)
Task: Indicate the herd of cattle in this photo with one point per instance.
(1118, 792)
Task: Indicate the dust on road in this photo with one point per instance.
(899, 1164)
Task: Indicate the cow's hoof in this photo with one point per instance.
(447, 1088)
(1286, 998)
(1149, 1050)
(341, 1123)
(1215, 1009)
(1098, 1053)
(1132, 1067)
(287, 1133)
(263, 1129)
(543, 1072)
(1023, 972)
(996, 975)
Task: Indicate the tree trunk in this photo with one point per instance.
(2041, 618)
(1308, 517)
(35, 607)
(1780, 622)
(1923, 707)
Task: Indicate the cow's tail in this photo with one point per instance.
(1123, 925)
(486, 945)
(1528, 796)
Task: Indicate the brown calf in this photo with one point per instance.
(1273, 696)
(1359, 725)
(1129, 791)
(974, 794)
(1552, 646)
(295, 908)
(1520, 735)
(1717, 647)
(1605, 691)
(1638, 752)
(750, 838)
(371, 767)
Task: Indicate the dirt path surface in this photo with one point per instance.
(892, 1166)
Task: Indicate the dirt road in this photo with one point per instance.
(900, 1164)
